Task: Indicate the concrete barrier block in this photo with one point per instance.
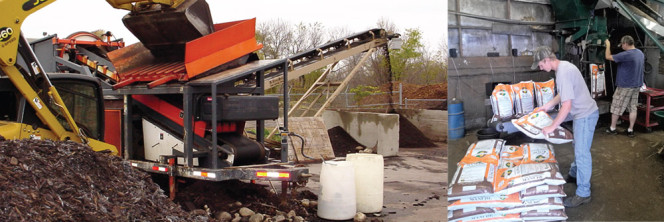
(432, 123)
(378, 131)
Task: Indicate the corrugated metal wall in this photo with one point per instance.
(499, 32)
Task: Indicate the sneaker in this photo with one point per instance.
(630, 133)
(575, 201)
(570, 179)
(609, 131)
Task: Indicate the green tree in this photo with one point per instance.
(363, 91)
(406, 59)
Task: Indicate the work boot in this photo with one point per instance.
(570, 179)
(575, 201)
(609, 131)
(630, 133)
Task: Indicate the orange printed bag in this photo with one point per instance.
(489, 200)
(502, 102)
(525, 176)
(524, 97)
(511, 152)
(544, 92)
(471, 180)
(538, 153)
(485, 151)
(532, 124)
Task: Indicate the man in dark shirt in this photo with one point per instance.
(628, 81)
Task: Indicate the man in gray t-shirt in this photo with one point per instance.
(575, 100)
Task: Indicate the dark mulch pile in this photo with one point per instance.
(342, 142)
(411, 137)
(222, 197)
(43, 180)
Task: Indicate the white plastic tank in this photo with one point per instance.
(337, 196)
(368, 181)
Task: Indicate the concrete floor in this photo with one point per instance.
(627, 183)
(414, 188)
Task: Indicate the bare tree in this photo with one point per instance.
(387, 24)
(306, 36)
(276, 37)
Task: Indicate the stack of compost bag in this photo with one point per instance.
(520, 99)
(498, 182)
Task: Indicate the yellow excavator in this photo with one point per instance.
(33, 108)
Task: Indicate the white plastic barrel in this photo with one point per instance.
(368, 181)
(337, 196)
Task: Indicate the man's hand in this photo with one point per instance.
(607, 50)
(548, 129)
(541, 108)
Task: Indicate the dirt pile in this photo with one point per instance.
(43, 180)
(410, 136)
(230, 197)
(411, 91)
(342, 142)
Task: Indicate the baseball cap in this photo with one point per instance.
(541, 53)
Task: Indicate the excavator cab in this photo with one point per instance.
(81, 95)
(164, 27)
(26, 77)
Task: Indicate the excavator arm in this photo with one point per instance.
(11, 19)
(131, 5)
(33, 83)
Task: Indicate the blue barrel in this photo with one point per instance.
(455, 121)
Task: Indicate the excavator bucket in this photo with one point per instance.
(165, 31)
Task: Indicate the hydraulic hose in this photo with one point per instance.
(302, 145)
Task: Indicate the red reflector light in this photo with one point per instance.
(157, 168)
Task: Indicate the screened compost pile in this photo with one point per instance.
(410, 136)
(342, 142)
(43, 180)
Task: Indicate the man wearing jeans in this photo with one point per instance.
(575, 99)
(628, 81)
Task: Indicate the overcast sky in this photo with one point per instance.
(64, 17)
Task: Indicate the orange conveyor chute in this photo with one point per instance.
(230, 41)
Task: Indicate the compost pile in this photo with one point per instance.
(410, 136)
(43, 180)
(231, 199)
(342, 142)
(412, 91)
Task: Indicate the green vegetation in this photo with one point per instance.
(363, 91)
(405, 59)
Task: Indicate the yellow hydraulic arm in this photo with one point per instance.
(33, 84)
